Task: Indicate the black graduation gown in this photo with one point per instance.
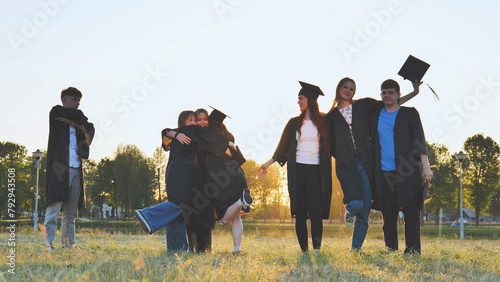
(225, 180)
(180, 167)
(57, 180)
(201, 208)
(409, 144)
(286, 153)
(342, 148)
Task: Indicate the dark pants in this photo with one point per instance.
(176, 235)
(309, 198)
(390, 212)
(199, 237)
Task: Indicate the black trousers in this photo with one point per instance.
(390, 212)
(199, 238)
(309, 197)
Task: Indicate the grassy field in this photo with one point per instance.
(270, 252)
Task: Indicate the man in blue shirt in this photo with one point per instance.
(401, 167)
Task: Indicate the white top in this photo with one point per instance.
(74, 159)
(308, 144)
(347, 114)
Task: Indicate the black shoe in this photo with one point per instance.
(246, 198)
(246, 209)
(142, 221)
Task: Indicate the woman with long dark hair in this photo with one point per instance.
(351, 147)
(304, 146)
(227, 202)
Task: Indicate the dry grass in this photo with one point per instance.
(102, 257)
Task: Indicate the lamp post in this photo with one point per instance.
(461, 157)
(37, 154)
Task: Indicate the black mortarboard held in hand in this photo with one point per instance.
(310, 91)
(217, 115)
(414, 70)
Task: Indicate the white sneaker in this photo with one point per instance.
(349, 219)
(142, 221)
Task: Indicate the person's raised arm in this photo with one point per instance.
(407, 97)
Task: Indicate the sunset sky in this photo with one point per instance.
(140, 63)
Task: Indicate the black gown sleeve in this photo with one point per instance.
(72, 114)
(418, 143)
(83, 148)
(331, 133)
(166, 142)
(372, 104)
(280, 155)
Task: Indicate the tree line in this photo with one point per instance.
(131, 180)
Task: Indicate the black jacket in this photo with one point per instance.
(286, 153)
(342, 148)
(179, 174)
(409, 144)
(57, 181)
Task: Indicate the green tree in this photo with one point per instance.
(100, 184)
(88, 168)
(14, 156)
(133, 178)
(481, 173)
(444, 183)
(495, 203)
(266, 192)
(159, 161)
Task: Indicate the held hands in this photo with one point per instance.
(264, 168)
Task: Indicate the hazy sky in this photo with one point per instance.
(140, 63)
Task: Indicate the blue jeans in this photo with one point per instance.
(361, 209)
(168, 214)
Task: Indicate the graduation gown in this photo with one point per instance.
(201, 208)
(180, 167)
(225, 179)
(342, 147)
(57, 180)
(286, 153)
(409, 144)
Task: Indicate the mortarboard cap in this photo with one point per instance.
(413, 69)
(310, 91)
(217, 115)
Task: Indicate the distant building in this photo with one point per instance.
(107, 211)
(469, 214)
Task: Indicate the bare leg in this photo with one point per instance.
(231, 213)
(237, 227)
